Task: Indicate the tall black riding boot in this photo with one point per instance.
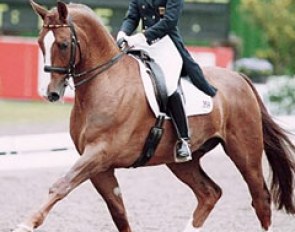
(177, 113)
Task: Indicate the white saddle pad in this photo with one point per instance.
(196, 102)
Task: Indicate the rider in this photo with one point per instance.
(160, 18)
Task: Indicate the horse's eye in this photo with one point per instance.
(63, 45)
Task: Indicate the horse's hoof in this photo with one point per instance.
(23, 228)
(189, 227)
(269, 229)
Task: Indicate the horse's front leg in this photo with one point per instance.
(107, 185)
(93, 161)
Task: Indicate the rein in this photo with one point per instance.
(70, 70)
(99, 68)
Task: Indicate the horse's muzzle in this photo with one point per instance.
(56, 90)
(53, 96)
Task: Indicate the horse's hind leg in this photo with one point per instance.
(206, 191)
(107, 185)
(247, 155)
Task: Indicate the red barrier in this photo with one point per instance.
(217, 56)
(18, 68)
(21, 76)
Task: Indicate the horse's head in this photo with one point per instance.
(75, 45)
(59, 43)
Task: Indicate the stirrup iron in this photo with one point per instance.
(182, 151)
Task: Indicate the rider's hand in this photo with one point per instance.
(135, 40)
(121, 35)
(121, 40)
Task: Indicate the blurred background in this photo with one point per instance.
(251, 36)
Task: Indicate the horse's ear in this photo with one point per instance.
(62, 11)
(41, 11)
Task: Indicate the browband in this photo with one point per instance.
(53, 26)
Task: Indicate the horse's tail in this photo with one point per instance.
(279, 149)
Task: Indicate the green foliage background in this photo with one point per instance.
(276, 19)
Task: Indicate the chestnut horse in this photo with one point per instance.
(111, 118)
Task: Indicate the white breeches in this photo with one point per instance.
(168, 58)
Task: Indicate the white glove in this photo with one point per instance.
(121, 34)
(135, 40)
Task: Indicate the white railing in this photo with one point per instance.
(22, 144)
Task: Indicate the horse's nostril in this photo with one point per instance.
(53, 97)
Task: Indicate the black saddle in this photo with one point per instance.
(159, 85)
(156, 75)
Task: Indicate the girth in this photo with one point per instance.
(158, 80)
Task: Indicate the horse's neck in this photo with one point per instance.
(95, 92)
(101, 97)
(113, 95)
(99, 46)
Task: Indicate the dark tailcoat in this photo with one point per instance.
(160, 18)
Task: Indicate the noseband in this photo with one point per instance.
(70, 70)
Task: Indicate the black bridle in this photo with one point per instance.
(70, 70)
